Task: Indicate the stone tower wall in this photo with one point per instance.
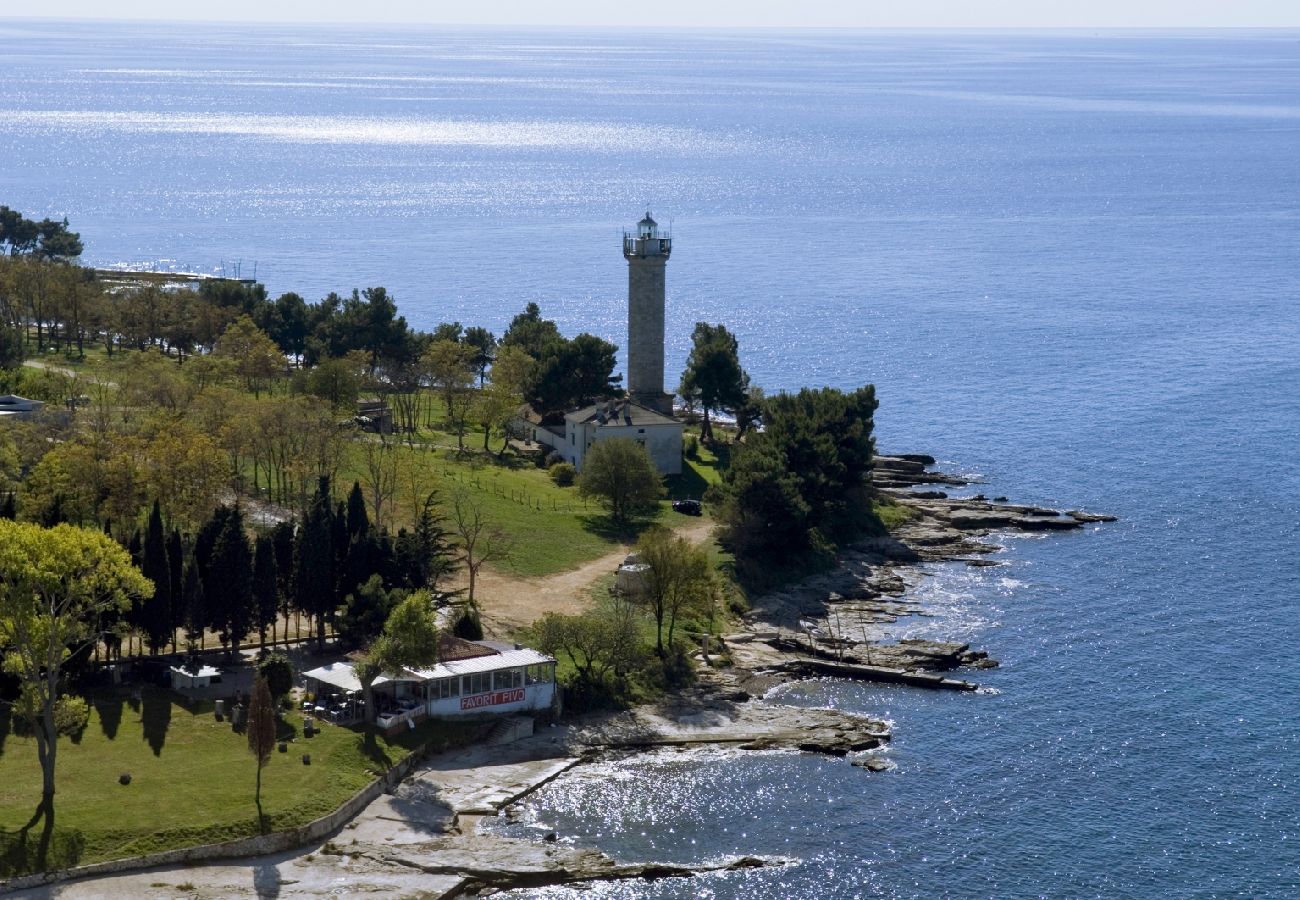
(645, 327)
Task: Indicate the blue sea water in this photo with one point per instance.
(1070, 262)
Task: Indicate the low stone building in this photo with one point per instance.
(661, 435)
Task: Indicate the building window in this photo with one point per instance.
(478, 683)
(505, 679)
(640, 431)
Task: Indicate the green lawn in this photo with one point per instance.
(550, 528)
(192, 779)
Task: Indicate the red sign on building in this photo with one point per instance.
(496, 698)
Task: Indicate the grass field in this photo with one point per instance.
(192, 779)
(550, 529)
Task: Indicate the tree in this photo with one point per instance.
(495, 408)
(229, 585)
(480, 541)
(261, 734)
(335, 381)
(530, 332)
(256, 357)
(713, 374)
(13, 346)
(314, 561)
(156, 566)
(425, 554)
(804, 481)
(451, 370)
(678, 581)
(365, 611)
(46, 239)
(483, 344)
(409, 641)
(620, 473)
(572, 373)
(266, 592)
(277, 671)
(600, 641)
(56, 585)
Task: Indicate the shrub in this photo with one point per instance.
(691, 446)
(552, 459)
(563, 474)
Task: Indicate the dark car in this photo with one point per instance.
(689, 507)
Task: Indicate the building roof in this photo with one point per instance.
(13, 401)
(341, 675)
(451, 647)
(508, 660)
(203, 672)
(619, 413)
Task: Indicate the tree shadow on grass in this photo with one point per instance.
(109, 706)
(606, 528)
(690, 485)
(22, 852)
(156, 717)
(6, 725)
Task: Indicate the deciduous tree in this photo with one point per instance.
(56, 584)
(620, 474)
(261, 735)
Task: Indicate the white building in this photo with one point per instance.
(18, 407)
(661, 435)
(473, 678)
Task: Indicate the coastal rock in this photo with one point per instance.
(1091, 517)
(1034, 523)
(874, 763)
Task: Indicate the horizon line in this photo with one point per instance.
(567, 26)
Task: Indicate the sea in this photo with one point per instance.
(1068, 261)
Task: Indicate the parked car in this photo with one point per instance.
(689, 507)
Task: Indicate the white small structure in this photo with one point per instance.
(184, 679)
(661, 435)
(11, 405)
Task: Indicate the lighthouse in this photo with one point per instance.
(646, 250)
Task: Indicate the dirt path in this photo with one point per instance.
(510, 602)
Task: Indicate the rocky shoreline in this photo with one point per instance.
(423, 838)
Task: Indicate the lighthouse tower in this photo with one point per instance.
(646, 251)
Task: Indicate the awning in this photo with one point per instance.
(341, 675)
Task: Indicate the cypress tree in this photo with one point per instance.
(358, 519)
(176, 559)
(266, 592)
(156, 613)
(230, 572)
(282, 540)
(314, 561)
(195, 610)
